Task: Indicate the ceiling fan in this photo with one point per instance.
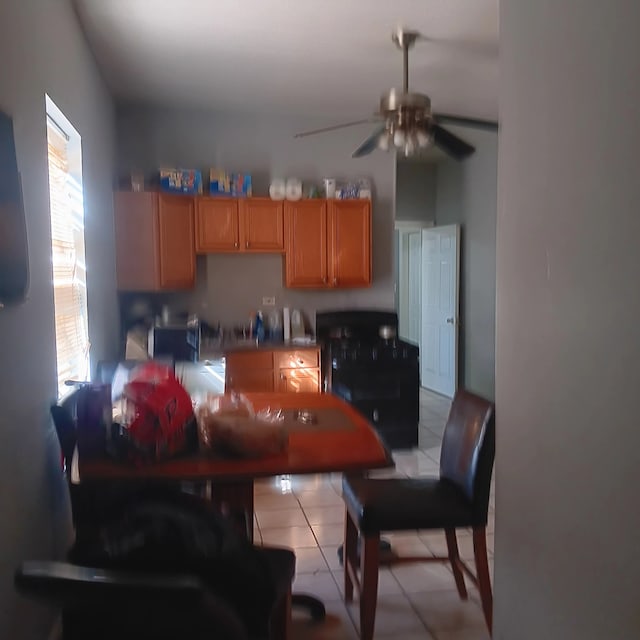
(407, 123)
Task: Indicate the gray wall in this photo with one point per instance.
(415, 190)
(568, 266)
(230, 287)
(43, 51)
(466, 194)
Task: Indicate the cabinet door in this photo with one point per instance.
(217, 228)
(177, 252)
(350, 243)
(249, 371)
(306, 243)
(262, 225)
(248, 380)
(137, 243)
(297, 359)
(298, 381)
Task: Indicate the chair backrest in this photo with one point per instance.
(65, 416)
(468, 448)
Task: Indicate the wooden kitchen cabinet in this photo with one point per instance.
(328, 243)
(284, 370)
(350, 243)
(297, 371)
(154, 241)
(262, 225)
(229, 225)
(249, 371)
(217, 225)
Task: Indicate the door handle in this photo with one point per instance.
(450, 321)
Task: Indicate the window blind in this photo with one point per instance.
(68, 260)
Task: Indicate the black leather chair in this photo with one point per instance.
(459, 498)
(106, 603)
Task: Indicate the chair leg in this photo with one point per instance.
(369, 562)
(280, 623)
(482, 569)
(454, 558)
(349, 555)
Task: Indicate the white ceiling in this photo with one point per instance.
(313, 57)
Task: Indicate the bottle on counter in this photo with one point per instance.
(275, 326)
(258, 327)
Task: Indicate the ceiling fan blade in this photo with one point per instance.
(450, 144)
(312, 132)
(369, 145)
(475, 123)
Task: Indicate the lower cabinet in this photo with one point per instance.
(283, 370)
(249, 371)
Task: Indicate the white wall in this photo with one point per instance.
(43, 50)
(415, 190)
(230, 287)
(567, 556)
(466, 194)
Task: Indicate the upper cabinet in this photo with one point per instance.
(328, 243)
(306, 244)
(217, 227)
(154, 241)
(350, 243)
(246, 225)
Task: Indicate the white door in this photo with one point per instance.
(409, 287)
(439, 335)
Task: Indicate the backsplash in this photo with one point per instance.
(230, 288)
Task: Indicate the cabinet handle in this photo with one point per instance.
(282, 376)
(236, 245)
(246, 244)
(335, 281)
(300, 361)
(324, 281)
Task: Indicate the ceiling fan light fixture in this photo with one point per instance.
(399, 138)
(423, 138)
(385, 140)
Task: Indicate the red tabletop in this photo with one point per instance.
(310, 450)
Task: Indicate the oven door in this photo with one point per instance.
(388, 397)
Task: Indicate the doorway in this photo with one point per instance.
(428, 300)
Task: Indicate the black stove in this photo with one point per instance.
(378, 376)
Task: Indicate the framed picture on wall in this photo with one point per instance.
(14, 258)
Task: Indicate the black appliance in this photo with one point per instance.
(179, 342)
(379, 376)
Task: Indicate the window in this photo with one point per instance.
(64, 150)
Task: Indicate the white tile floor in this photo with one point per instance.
(414, 601)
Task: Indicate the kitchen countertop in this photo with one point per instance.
(213, 350)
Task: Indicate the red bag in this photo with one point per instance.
(160, 415)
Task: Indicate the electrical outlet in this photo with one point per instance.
(269, 301)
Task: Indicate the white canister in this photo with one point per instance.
(330, 187)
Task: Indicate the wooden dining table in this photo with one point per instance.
(339, 440)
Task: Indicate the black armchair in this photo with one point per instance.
(458, 498)
(157, 563)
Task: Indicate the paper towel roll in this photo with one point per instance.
(286, 323)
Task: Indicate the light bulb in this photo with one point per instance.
(409, 146)
(383, 141)
(423, 138)
(398, 138)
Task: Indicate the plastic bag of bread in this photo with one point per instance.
(228, 424)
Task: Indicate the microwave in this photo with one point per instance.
(179, 342)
